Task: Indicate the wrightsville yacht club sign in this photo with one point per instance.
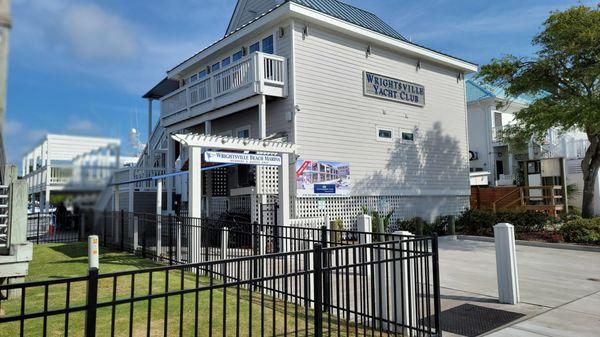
(242, 158)
(393, 89)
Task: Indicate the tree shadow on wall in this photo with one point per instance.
(432, 164)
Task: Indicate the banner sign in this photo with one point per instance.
(242, 158)
(393, 89)
(322, 179)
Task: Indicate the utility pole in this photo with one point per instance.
(5, 26)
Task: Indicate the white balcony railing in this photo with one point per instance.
(257, 73)
(131, 174)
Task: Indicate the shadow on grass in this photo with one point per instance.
(73, 250)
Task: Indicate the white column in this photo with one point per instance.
(195, 200)
(224, 243)
(148, 149)
(159, 193)
(262, 118)
(365, 237)
(116, 198)
(506, 263)
(283, 213)
(170, 169)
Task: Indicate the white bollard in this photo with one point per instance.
(93, 252)
(506, 264)
(364, 237)
(406, 292)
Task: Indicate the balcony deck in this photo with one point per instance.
(256, 74)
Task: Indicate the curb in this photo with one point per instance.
(564, 246)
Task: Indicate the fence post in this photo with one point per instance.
(318, 291)
(92, 286)
(159, 236)
(104, 230)
(452, 225)
(178, 225)
(224, 243)
(170, 231)
(122, 231)
(325, 265)
(135, 233)
(405, 299)
(81, 226)
(436, 284)
(144, 237)
(365, 237)
(506, 263)
(38, 229)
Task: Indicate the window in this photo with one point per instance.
(267, 45)
(385, 134)
(408, 136)
(254, 48)
(215, 67)
(226, 61)
(237, 56)
(243, 132)
(193, 78)
(202, 74)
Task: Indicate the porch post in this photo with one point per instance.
(195, 200)
(262, 118)
(149, 151)
(159, 192)
(283, 214)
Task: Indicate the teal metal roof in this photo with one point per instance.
(478, 91)
(352, 15)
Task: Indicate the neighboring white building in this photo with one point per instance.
(489, 110)
(62, 163)
(340, 85)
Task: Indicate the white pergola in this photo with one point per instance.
(195, 144)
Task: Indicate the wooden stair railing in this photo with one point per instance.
(514, 197)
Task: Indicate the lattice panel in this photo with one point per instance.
(267, 179)
(348, 209)
(219, 186)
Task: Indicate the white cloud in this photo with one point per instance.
(82, 125)
(12, 128)
(96, 35)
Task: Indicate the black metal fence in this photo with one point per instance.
(48, 227)
(382, 288)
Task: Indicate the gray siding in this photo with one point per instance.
(337, 122)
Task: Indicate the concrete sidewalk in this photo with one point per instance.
(560, 289)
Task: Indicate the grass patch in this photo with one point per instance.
(217, 311)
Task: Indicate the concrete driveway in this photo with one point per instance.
(560, 289)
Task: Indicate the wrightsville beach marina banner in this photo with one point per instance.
(322, 179)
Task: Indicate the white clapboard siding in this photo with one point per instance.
(337, 122)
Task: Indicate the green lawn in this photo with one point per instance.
(69, 260)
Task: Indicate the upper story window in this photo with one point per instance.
(408, 136)
(237, 56)
(215, 67)
(254, 48)
(193, 78)
(226, 61)
(267, 45)
(202, 74)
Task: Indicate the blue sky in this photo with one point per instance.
(81, 66)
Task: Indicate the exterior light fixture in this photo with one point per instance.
(369, 50)
(459, 77)
(418, 65)
(281, 32)
(305, 32)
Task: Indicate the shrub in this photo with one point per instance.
(579, 230)
(337, 225)
(438, 226)
(481, 222)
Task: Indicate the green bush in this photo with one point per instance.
(579, 230)
(481, 222)
(438, 226)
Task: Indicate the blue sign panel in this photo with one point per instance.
(324, 188)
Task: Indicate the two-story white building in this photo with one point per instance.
(374, 119)
(69, 164)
